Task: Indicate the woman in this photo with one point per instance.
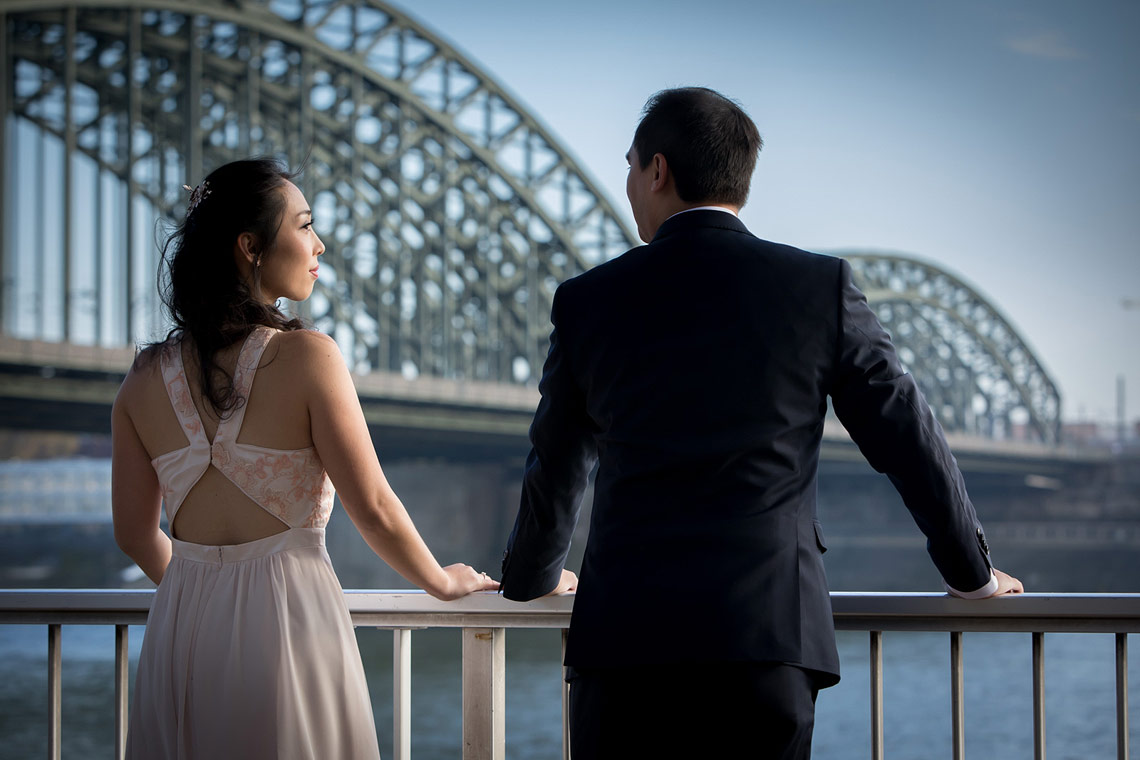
(241, 423)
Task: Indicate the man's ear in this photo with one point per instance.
(660, 172)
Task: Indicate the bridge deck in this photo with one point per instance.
(62, 386)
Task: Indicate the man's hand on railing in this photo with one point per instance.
(567, 583)
(1007, 584)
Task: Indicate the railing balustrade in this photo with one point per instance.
(485, 617)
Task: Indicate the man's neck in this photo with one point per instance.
(671, 207)
(734, 210)
(679, 206)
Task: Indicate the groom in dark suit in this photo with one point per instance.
(696, 370)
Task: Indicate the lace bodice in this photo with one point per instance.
(289, 484)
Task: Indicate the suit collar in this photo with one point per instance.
(699, 218)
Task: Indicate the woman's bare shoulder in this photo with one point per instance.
(307, 351)
(144, 375)
(305, 343)
(147, 364)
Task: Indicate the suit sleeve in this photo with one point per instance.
(561, 456)
(888, 418)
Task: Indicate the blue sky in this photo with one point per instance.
(995, 139)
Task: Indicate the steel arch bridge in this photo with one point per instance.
(449, 211)
(977, 373)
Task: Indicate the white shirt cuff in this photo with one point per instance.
(987, 590)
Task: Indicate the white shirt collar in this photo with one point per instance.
(704, 208)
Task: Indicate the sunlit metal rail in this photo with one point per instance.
(485, 617)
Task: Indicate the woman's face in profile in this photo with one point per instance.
(290, 268)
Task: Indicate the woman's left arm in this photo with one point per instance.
(136, 499)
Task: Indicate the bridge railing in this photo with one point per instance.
(485, 617)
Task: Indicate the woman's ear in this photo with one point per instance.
(246, 248)
(247, 255)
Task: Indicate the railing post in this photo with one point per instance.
(402, 694)
(1122, 696)
(565, 703)
(957, 703)
(55, 709)
(1038, 696)
(876, 695)
(484, 687)
(121, 701)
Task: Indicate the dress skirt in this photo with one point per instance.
(250, 652)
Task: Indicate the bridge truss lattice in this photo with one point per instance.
(976, 371)
(450, 214)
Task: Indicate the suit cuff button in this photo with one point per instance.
(982, 542)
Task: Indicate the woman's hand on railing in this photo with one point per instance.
(567, 583)
(463, 580)
(1007, 584)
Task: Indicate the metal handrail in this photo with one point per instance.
(484, 617)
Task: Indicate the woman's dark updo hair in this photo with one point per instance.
(202, 289)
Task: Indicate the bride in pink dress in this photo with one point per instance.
(241, 424)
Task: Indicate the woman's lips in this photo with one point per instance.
(313, 272)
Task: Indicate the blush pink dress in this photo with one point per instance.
(249, 649)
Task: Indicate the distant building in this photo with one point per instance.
(1100, 434)
(1082, 433)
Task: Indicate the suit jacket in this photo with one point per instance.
(696, 371)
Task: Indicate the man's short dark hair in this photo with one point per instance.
(708, 141)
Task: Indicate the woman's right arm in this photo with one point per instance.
(136, 499)
(340, 435)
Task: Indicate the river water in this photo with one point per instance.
(1079, 678)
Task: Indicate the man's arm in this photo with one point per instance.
(562, 453)
(888, 418)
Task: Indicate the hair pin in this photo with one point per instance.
(197, 195)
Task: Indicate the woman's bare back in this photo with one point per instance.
(215, 511)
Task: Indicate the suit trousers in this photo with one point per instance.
(761, 711)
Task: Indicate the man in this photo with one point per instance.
(696, 370)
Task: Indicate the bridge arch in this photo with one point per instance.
(449, 211)
(979, 375)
